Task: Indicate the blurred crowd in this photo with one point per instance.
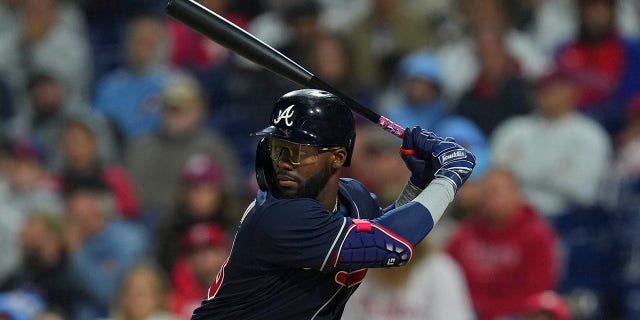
(126, 159)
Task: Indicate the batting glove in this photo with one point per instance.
(452, 162)
(416, 150)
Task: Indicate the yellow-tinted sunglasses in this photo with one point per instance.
(298, 153)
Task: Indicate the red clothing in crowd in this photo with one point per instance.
(191, 49)
(505, 265)
(116, 179)
(187, 293)
(599, 68)
(123, 190)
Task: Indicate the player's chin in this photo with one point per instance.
(288, 188)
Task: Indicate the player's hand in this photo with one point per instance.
(452, 162)
(416, 150)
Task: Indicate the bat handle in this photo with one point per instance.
(390, 126)
(381, 121)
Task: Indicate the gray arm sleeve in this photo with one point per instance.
(409, 192)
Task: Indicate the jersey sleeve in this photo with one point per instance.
(298, 233)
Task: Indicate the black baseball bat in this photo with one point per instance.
(219, 29)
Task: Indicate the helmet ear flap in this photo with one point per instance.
(265, 175)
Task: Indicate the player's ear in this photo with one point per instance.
(338, 158)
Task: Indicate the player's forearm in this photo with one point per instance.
(414, 220)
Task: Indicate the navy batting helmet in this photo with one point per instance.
(308, 116)
(313, 117)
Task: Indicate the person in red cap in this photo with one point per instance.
(202, 198)
(205, 248)
(605, 62)
(546, 305)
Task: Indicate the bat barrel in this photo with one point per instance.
(217, 28)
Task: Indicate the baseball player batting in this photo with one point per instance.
(305, 243)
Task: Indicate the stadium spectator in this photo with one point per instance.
(419, 91)
(623, 193)
(30, 187)
(335, 16)
(507, 252)
(303, 20)
(49, 36)
(431, 287)
(558, 155)
(201, 198)
(459, 63)
(604, 62)
(205, 248)
(211, 63)
(193, 51)
(45, 269)
(625, 170)
(128, 95)
(44, 113)
(557, 21)
(499, 91)
(330, 59)
(381, 37)
(142, 295)
(156, 159)
(80, 147)
(102, 247)
(107, 23)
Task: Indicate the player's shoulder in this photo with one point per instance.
(357, 193)
(352, 185)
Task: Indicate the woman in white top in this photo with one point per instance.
(431, 287)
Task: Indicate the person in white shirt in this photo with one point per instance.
(558, 155)
(432, 287)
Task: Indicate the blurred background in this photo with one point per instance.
(126, 160)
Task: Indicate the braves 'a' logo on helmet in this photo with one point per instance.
(285, 114)
(313, 117)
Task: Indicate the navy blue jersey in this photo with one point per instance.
(280, 266)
